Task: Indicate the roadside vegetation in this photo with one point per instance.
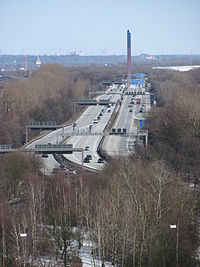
(47, 95)
(174, 125)
(127, 209)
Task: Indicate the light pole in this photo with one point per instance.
(174, 226)
(22, 236)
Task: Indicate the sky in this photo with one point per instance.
(98, 27)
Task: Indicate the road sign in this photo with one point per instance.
(137, 82)
(140, 75)
(141, 124)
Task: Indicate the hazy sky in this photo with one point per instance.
(98, 27)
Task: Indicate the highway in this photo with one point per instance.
(87, 131)
(128, 118)
(82, 127)
(92, 141)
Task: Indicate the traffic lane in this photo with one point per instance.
(49, 164)
(88, 118)
(91, 141)
(57, 135)
(125, 118)
(92, 112)
(81, 142)
(100, 126)
(118, 145)
(146, 102)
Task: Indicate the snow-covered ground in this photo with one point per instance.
(84, 253)
(178, 68)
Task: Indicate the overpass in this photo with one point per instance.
(103, 92)
(45, 149)
(94, 102)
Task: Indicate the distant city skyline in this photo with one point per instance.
(92, 27)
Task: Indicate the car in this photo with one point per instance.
(100, 160)
(109, 110)
(62, 166)
(89, 157)
(87, 148)
(45, 155)
(130, 110)
(100, 114)
(95, 120)
(86, 160)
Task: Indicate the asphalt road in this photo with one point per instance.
(128, 118)
(113, 145)
(82, 126)
(92, 141)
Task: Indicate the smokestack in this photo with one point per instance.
(25, 61)
(128, 56)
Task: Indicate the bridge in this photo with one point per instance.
(43, 149)
(103, 92)
(94, 102)
(114, 131)
(44, 125)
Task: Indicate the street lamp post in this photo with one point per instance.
(174, 226)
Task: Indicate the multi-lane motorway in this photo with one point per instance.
(89, 129)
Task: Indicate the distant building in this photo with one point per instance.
(76, 53)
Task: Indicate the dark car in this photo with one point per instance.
(86, 160)
(87, 148)
(45, 155)
(62, 166)
(109, 110)
(100, 160)
(89, 157)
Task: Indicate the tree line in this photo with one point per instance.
(174, 124)
(47, 95)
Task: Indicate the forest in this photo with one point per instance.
(125, 211)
